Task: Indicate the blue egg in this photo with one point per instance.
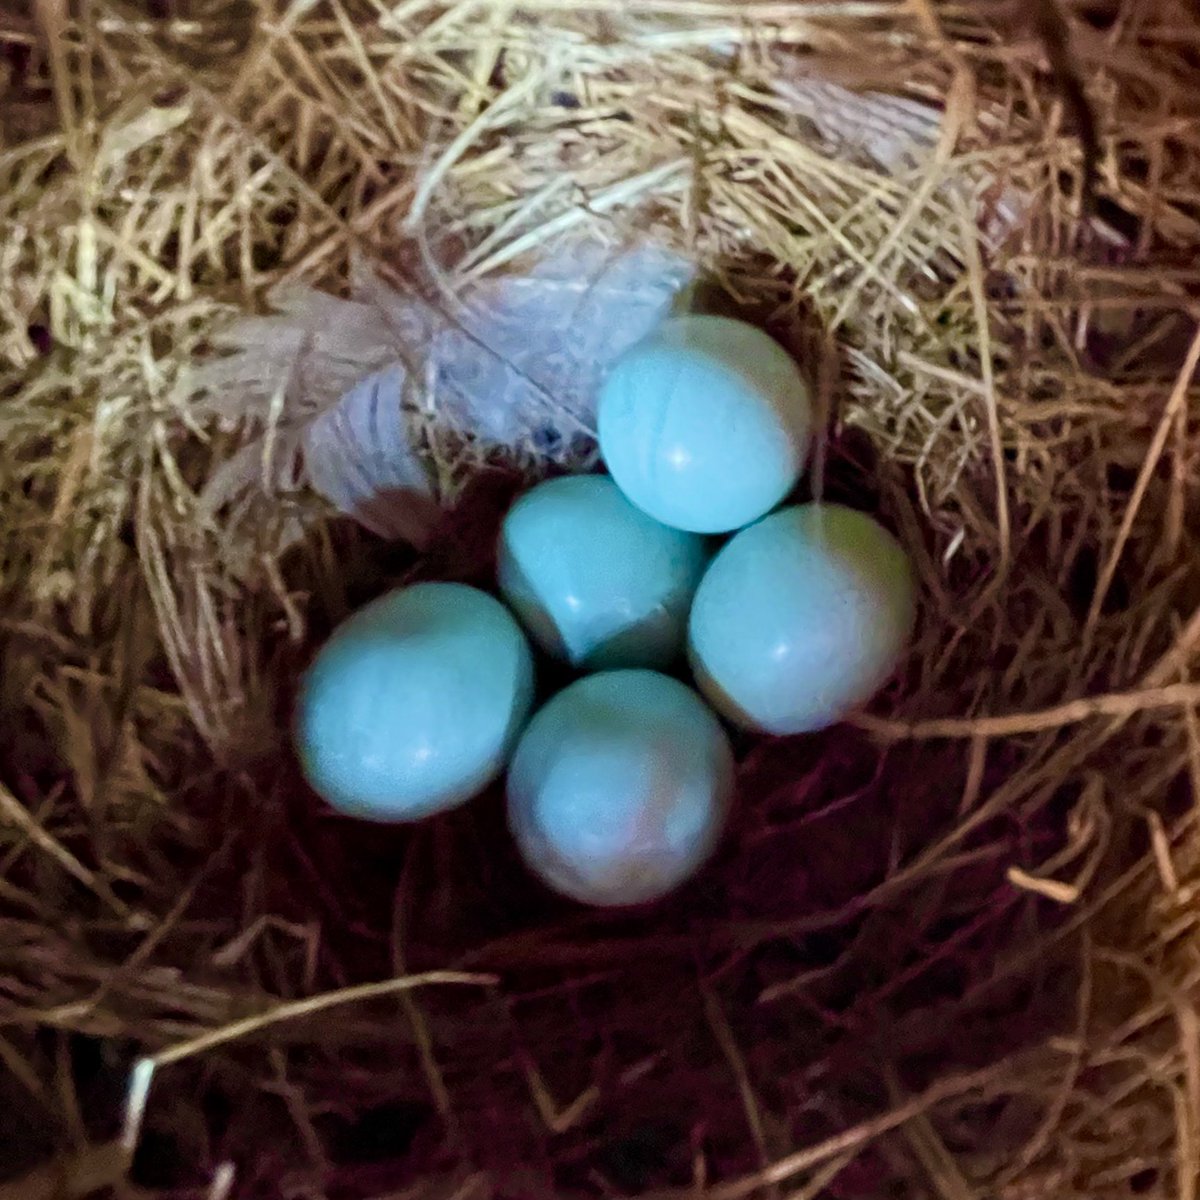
(801, 618)
(414, 703)
(705, 424)
(595, 581)
(619, 788)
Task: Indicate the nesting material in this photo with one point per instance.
(948, 949)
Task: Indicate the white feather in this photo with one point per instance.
(514, 364)
(360, 457)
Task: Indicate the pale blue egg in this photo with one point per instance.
(595, 581)
(415, 702)
(801, 618)
(705, 425)
(619, 788)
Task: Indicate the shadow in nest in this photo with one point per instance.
(843, 947)
(809, 940)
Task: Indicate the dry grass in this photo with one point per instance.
(953, 951)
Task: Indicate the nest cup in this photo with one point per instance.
(947, 947)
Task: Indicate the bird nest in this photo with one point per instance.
(948, 948)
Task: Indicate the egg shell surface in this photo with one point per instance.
(415, 702)
(595, 581)
(801, 618)
(705, 424)
(619, 788)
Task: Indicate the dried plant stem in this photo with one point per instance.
(1115, 704)
(784, 1169)
(314, 1004)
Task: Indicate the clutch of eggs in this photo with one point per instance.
(619, 787)
(414, 703)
